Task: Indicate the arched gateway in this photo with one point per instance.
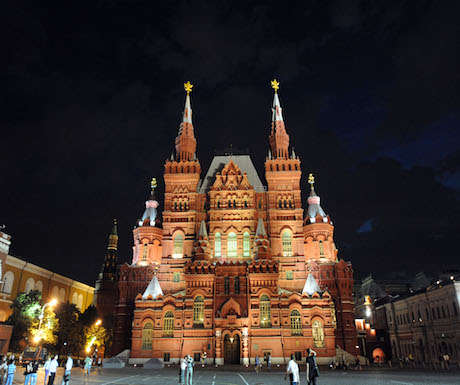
(232, 349)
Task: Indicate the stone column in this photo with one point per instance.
(245, 347)
(219, 358)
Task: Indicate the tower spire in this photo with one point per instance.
(279, 139)
(185, 140)
(314, 207)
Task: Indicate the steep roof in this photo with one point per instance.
(153, 289)
(311, 286)
(245, 164)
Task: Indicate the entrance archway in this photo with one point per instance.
(378, 355)
(232, 349)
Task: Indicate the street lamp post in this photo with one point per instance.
(52, 303)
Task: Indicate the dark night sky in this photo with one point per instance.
(91, 99)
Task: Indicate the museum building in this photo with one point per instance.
(231, 266)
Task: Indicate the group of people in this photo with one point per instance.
(186, 370)
(8, 369)
(311, 373)
(258, 363)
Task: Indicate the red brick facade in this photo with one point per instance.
(232, 256)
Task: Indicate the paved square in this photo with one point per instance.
(239, 376)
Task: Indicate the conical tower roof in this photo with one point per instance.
(153, 289)
(260, 231)
(311, 286)
(314, 206)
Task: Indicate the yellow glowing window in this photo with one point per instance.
(265, 314)
(321, 249)
(178, 250)
(232, 246)
(217, 245)
(198, 311)
(246, 245)
(147, 333)
(318, 334)
(296, 326)
(287, 244)
(168, 324)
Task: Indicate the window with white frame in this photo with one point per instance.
(232, 245)
(178, 248)
(286, 239)
(217, 245)
(246, 245)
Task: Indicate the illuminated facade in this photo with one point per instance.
(235, 268)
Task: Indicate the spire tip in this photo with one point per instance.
(188, 87)
(275, 85)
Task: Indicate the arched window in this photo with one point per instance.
(178, 250)
(237, 285)
(8, 280)
(80, 302)
(232, 245)
(62, 294)
(74, 298)
(168, 324)
(226, 285)
(287, 243)
(296, 326)
(145, 252)
(321, 249)
(246, 245)
(198, 311)
(265, 314)
(318, 334)
(217, 245)
(39, 286)
(55, 292)
(147, 333)
(30, 284)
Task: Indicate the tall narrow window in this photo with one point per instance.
(296, 326)
(289, 275)
(178, 250)
(168, 324)
(237, 285)
(246, 245)
(8, 280)
(321, 249)
(318, 334)
(265, 314)
(198, 311)
(287, 243)
(145, 251)
(147, 333)
(176, 277)
(232, 246)
(217, 245)
(226, 285)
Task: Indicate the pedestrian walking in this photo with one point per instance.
(31, 373)
(204, 355)
(269, 361)
(189, 374)
(293, 371)
(10, 372)
(54, 364)
(257, 364)
(67, 368)
(46, 367)
(182, 369)
(358, 364)
(3, 369)
(446, 361)
(312, 368)
(87, 365)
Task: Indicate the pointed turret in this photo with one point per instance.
(311, 286)
(185, 140)
(153, 289)
(151, 216)
(202, 246)
(279, 139)
(109, 268)
(261, 249)
(315, 212)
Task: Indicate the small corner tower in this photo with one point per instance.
(148, 233)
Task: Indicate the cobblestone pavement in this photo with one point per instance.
(239, 376)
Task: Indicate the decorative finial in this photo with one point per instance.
(114, 221)
(311, 180)
(275, 85)
(188, 87)
(153, 183)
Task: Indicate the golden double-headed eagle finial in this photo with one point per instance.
(153, 183)
(188, 87)
(275, 85)
(311, 179)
